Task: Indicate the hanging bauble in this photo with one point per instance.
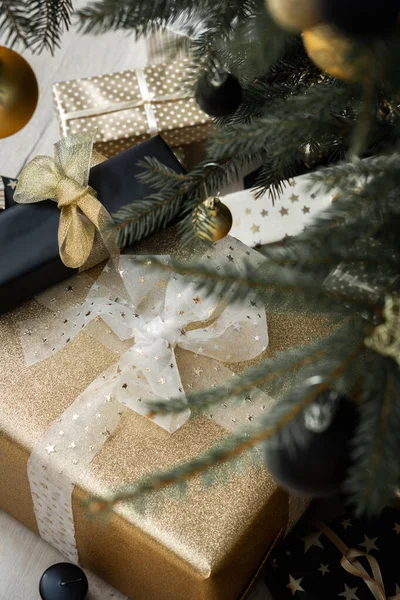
(337, 55)
(294, 15)
(314, 460)
(219, 94)
(212, 220)
(361, 17)
(18, 92)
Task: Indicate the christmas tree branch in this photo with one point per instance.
(232, 447)
(36, 24)
(354, 173)
(364, 121)
(375, 471)
(13, 22)
(327, 253)
(53, 17)
(178, 194)
(277, 283)
(143, 17)
(282, 366)
(282, 129)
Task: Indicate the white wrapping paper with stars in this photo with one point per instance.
(259, 220)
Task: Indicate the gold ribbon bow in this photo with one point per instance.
(64, 180)
(350, 563)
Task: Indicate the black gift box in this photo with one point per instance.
(307, 564)
(29, 255)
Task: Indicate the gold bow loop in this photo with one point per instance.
(64, 180)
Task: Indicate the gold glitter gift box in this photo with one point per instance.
(129, 107)
(207, 545)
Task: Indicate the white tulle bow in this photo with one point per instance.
(158, 313)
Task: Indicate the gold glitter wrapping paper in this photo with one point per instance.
(205, 546)
(113, 107)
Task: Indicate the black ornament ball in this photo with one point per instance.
(315, 461)
(361, 17)
(219, 97)
(63, 581)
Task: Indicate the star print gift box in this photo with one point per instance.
(126, 108)
(354, 559)
(77, 363)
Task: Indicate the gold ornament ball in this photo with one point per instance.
(294, 15)
(336, 54)
(216, 220)
(18, 92)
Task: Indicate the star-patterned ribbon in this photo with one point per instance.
(64, 180)
(157, 313)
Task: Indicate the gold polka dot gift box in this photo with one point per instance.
(126, 108)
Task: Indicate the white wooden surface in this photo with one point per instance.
(24, 556)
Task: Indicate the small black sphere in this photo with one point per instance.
(63, 581)
(315, 463)
(219, 100)
(361, 17)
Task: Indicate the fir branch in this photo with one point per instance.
(364, 121)
(143, 17)
(255, 45)
(275, 283)
(179, 194)
(355, 173)
(52, 17)
(136, 221)
(374, 475)
(325, 254)
(36, 24)
(283, 365)
(286, 125)
(233, 446)
(13, 22)
(158, 175)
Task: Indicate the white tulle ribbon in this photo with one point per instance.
(151, 314)
(155, 311)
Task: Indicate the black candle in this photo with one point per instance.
(63, 581)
